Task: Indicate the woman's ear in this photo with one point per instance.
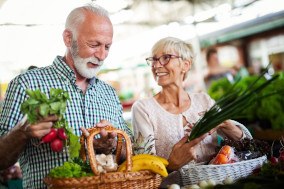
(67, 38)
(187, 65)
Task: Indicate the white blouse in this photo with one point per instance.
(152, 121)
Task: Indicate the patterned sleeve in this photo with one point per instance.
(11, 113)
(142, 128)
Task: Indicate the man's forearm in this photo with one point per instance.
(11, 146)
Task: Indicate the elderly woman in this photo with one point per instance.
(168, 117)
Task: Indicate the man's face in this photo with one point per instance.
(91, 45)
(81, 64)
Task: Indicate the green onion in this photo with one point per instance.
(231, 105)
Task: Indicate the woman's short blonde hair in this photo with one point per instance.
(183, 48)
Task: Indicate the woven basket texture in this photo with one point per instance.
(112, 180)
(193, 174)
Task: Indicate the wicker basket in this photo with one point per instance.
(112, 180)
(193, 174)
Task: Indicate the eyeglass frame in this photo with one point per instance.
(153, 59)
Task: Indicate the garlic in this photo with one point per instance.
(203, 184)
(106, 163)
(194, 186)
(211, 182)
(228, 180)
(174, 186)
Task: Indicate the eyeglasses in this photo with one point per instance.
(164, 59)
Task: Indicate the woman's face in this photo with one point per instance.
(171, 73)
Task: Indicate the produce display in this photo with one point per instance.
(233, 103)
(269, 110)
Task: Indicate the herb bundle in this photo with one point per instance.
(38, 106)
(231, 105)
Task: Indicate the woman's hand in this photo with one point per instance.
(106, 143)
(230, 130)
(183, 152)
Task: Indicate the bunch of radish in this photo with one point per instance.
(56, 138)
(39, 105)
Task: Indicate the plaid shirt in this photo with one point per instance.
(99, 102)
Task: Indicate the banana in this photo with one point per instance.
(153, 164)
(144, 156)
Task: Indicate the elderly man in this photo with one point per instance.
(88, 37)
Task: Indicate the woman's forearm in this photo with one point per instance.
(231, 130)
(11, 146)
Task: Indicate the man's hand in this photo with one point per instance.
(13, 172)
(14, 142)
(39, 129)
(106, 143)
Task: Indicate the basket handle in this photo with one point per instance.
(91, 152)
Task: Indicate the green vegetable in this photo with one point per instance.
(269, 109)
(38, 105)
(232, 104)
(68, 170)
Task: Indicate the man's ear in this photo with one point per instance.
(67, 37)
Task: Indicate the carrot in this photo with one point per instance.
(220, 159)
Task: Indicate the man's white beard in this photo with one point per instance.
(82, 67)
(81, 64)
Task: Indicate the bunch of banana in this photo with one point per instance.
(153, 163)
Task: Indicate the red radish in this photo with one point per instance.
(50, 136)
(281, 159)
(56, 145)
(281, 156)
(273, 160)
(61, 134)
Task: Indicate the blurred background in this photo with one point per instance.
(247, 34)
